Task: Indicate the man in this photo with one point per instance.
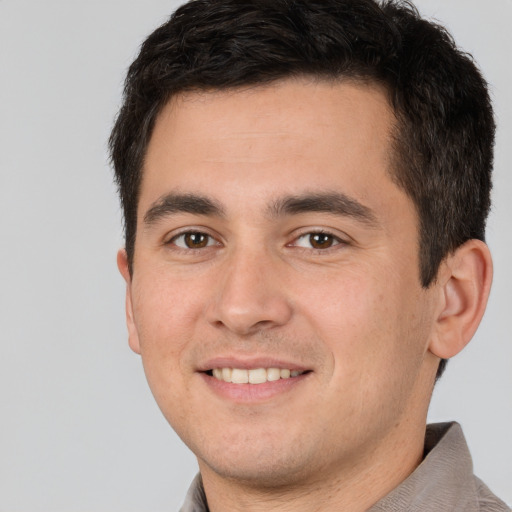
(305, 187)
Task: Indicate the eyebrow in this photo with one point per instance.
(172, 203)
(329, 202)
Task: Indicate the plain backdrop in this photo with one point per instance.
(79, 430)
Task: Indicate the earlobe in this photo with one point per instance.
(464, 282)
(133, 336)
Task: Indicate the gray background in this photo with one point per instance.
(79, 430)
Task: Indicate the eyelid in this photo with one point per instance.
(339, 238)
(171, 237)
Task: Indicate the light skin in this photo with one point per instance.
(270, 234)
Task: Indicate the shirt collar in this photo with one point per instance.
(443, 481)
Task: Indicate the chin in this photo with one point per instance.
(264, 466)
(261, 475)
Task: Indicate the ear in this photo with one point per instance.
(464, 282)
(133, 335)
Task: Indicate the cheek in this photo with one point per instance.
(164, 307)
(165, 313)
(347, 307)
(366, 320)
(375, 333)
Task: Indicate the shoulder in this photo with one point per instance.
(487, 501)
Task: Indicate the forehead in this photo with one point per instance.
(283, 137)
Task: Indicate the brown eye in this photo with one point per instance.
(321, 240)
(192, 240)
(317, 240)
(196, 240)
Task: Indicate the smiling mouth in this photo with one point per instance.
(253, 376)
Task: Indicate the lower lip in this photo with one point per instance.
(247, 393)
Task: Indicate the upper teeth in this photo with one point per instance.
(255, 376)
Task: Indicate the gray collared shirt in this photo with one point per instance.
(444, 481)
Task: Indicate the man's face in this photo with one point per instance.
(271, 239)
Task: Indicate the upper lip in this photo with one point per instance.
(249, 363)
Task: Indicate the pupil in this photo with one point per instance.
(196, 240)
(321, 240)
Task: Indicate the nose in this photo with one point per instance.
(250, 296)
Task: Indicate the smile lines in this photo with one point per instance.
(253, 376)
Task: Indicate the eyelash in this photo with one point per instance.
(191, 233)
(333, 240)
